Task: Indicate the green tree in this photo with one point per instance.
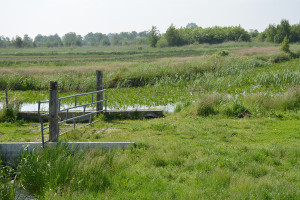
(105, 41)
(283, 30)
(253, 33)
(173, 37)
(295, 33)
(18, 42)
(71, 39)
(285, 47)
(27, 41)
(116, 39)
(153, 36)
(270, 33)
(4, 41)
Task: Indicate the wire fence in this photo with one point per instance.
(70, 117)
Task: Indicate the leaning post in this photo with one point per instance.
(53, 112)
(99, 81)
(6, 99)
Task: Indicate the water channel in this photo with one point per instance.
(25, 107)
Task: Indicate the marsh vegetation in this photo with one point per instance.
(201, 151)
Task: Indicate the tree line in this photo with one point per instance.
(191, 34)
(73, 39)
(277, 33)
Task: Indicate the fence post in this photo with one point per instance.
(6, 99)
(99, 81)
(53, 112)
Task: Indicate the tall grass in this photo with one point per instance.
(9, 113)
(8, 182)
(196, 72)
(258, 104)
(59, 169)
(191, 157)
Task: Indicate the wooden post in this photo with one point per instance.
(53, 112)
(99, 81)
(6, 99)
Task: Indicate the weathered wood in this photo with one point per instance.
(53, 112)
(6, 98)
(99, 81)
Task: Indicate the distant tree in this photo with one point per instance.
(27, 41)
(99, 37)
(172, 36)
(4, 41)
(283, 30)
(78, 41)
(191, 25)
(295, 33)
(153, 36)
(270, 33)
(261, 36)
(116, 39)
(71, 39)
(277, 33)
(162, 42)
(142, 34)
(18, 42)
(105, 41)
(38, 38)
(253, 33)
(89, 39)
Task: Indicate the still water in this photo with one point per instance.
(169, 108)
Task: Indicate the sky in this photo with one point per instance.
(32, 17)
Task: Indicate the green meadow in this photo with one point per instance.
(234, 132)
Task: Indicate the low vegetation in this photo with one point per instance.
(178, 156)
(234, 133)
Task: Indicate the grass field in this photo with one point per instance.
(201, 151)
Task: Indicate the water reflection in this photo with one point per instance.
(45, 107)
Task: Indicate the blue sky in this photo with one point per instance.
(19, 17)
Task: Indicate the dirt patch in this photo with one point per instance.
(252, 51)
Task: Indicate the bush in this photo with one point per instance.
(182, 106)
(208, 104)
(280, 58)
(162, 42)
(222, 53)
(9, 113)
(234, 109)
(285, 47)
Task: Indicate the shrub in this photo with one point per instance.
(9, 113)
(208, 104)
(162, 42)
(234, 109)
(182, 106)
(222, 53)
(280, 57)
(285, 47)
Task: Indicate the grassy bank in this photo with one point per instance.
(77, 72)
(210, 148)
(181, 157)
(169, 82)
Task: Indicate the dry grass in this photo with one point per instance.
(254, 51)
(52, 70)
